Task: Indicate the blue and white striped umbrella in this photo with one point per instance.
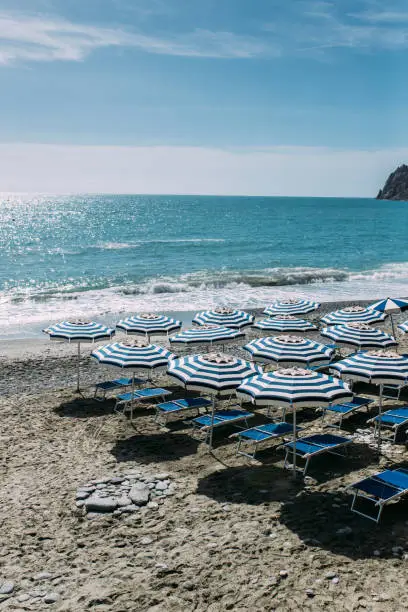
(353, 314)
(361, 335)
(226, 317)
(79, 331)
(133, 355)
(377, 367)
(294, 388)
(290, 349)
(390, 306)
(291, 306)
(214, 373)
(149, 324)
(404, 327)
(285, 323)
(206, 333)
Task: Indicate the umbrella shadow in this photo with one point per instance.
(249, 485)
(150, 448)
(84, 408)
(324, 519)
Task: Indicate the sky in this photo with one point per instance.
(271, 97)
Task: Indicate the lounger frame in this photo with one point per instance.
(350, 408)
(162, 416)
(377, 501)
(124, 404)
(242, 440)
(380, 424)
(333, 449)
(199, 429)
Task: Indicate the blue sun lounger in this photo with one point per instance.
(262, 433)
(381, 489)
(118, 383)
(393, 419)
(230, 416)
(317, 444)
(343, 410)
(127, 400)
(168, 409)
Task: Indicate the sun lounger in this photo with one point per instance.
(175, 407)
(263, 433)
(127, 400)
(110, 385)
(393, 419)
(392, 391)
(381, 489)
(343, 410)
(231, 416)
(312, 446)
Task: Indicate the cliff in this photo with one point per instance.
(396, 186)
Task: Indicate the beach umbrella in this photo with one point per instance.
(377, 367)
(294, 388)
(353, 314)
(404, 327)
(357, 334)
(290, 350)
(149, 324)
(78, 331)
(206, 334)
(284, 323)
(133, 355)
(227, 317)
(214, 373)
(291, 306)
(390, 306)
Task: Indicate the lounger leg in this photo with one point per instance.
(306, 466)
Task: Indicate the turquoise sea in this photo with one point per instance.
(72, 255)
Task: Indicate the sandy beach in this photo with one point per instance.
(234, 534)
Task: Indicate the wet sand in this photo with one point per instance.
(236, 535)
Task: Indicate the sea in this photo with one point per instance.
(101, 256)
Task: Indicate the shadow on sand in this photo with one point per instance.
(85, 407)
(154, 447)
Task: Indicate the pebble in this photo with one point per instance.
(43, 576)
(163, 476)
(139, 493)
(130, 508)
(161, 486)
(51, 598)
(96, 503)
(6, 587)
(283, 574)
(336, 580)
(146, 541)
(310, 593)
(344, 531)
(117, 480)
(23, 597)
(124, 501)
(153, 505)
(377, 553)
(330, 575)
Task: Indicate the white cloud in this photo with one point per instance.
(298, 171)
(44, 39)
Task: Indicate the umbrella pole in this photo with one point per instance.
(79, 357)
(380, 405)
(131, 396)
(392, 325)
(294, 439)
(212, 423)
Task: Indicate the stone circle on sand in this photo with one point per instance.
(123, 494)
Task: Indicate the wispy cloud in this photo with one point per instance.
(44, 39)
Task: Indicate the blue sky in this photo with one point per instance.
(203, 77)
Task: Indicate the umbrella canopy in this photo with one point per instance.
(296, 388)
(353, 314)
(390, 306)
(292, 306)
(378, 367)
(285, 323)
(206, 333)
(404, 327)
(360, 335)
(79, 331)
(290, 349)
(133, 355)
(228, 317)
(148, 324)
(215, 373)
